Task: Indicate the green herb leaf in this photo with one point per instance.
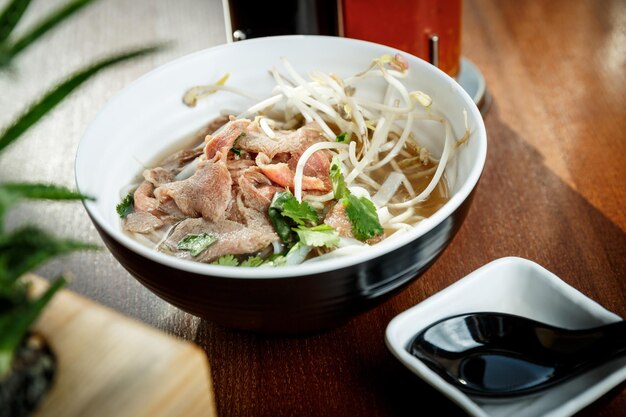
(301, 213)
(58, 93)
(286, 212)
(196, 244)
(253, 261)
(340, 189)
(15, 322)
(126, 206)
(28, 247)
(236, 151)
(362, 214)
(322, 235)
(282, 224)
(342, 137)
(226, 260)
(275, 260)
(10, 16)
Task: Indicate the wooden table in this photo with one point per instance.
(553, 190)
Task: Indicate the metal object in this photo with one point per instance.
(434, 49)
(239, 35)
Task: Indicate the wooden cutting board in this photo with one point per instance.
(109, 365)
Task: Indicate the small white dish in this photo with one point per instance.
(516, 286)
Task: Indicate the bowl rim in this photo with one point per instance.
(384, 247)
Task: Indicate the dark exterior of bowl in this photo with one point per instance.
(293, 305)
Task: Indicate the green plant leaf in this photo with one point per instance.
(226, 260)
(322, 235)
(126, 206)
(253, 261)
(46, 24)
(62, 90)
(10, 16)
(12, 193)
(340, 189)
(15, 322)
(195, 244)
(362, 214)
(29, 247)
(38, 191)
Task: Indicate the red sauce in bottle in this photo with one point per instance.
(407, 25)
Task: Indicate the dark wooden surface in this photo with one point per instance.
(553, 191)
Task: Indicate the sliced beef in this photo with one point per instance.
(142, 222)
(278, 157)
(239, 167)
(232, 239)
(181, 158)
(224, 140)
(234, 213)
(317, 166)
(206, 193)
(213, 125)
(291, 142)
(283, 175)
(338, 219)
(257, 189)
(158, 176)
(144, 198)
(256, 220)
(169, 212)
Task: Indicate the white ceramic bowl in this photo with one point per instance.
(521, 287)
(148, 117)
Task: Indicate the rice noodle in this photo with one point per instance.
(405, 180)
(402, 217)
(388, 189)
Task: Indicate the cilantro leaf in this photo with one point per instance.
(362, 214)
(196, 244)
(252, 261)
(226, 260)
(322, 235)
(282, 224)
(126, 206)
(286, 212)
(342, 137)
(340, 189)
(301, 213)
(275, 260)
(236, 151)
